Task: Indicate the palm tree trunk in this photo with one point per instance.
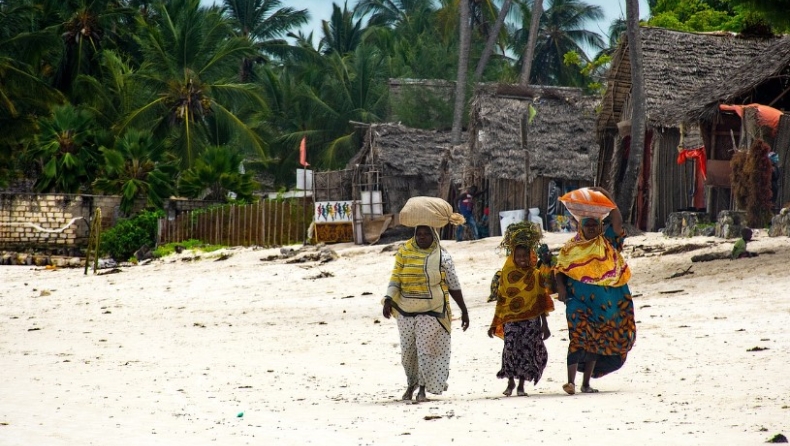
(529, 51)
(489, 49)
(626, 195)
(463, 64)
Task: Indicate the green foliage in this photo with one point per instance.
(216, 173)
(593, 71)
(192, 244)
(66, 150)
(709, 15)
(137, 166)
(128, 235)
(421, 108)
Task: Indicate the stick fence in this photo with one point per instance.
(265, 223)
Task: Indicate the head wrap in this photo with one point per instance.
(526, 234)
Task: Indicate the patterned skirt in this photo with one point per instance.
(425, 352)
(601, 326)
(524, 355)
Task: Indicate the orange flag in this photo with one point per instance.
(303, 152)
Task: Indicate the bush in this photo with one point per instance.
(127, 236)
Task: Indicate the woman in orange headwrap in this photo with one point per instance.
(592, 279)
(522, 305)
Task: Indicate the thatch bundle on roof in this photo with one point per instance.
(675, 64)
(761, 79)
(560, 139)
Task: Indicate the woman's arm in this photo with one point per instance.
(454, 287)
(562, 291)
(616, 218)
(544, 326)
(393, 286)
(458, 297)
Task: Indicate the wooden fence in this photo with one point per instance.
(265, 223)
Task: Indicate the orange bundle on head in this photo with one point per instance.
(585, 202)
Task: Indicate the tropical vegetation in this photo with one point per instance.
(146, 99)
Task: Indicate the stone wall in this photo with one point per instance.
(780, 224)
(688, 224)
(730, 223)
(59, 223)
(25, 220)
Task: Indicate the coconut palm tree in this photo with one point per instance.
(626, 194)
(137, 166)
(529, 50)
(561, 31)
(341, 33)
(191, 63)
(463, 65)
(264, 23)
(492, 39)
(66, 150)
(85, 27)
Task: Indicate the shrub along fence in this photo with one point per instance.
(265, 223)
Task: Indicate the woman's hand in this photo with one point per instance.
(387, 311)
(546, 331)
(464, 320)
(491, 332)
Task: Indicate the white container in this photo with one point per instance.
(304, 179)
(534, 217)
(371, 203)
(507, 218)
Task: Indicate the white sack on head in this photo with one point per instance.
(428, 211)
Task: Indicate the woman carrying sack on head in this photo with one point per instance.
(592, 280)
(422, 281)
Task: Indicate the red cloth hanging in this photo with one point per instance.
(697, 153)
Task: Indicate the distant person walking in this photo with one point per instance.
(776, 178)
(466, 207)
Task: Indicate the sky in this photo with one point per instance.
(322, 10)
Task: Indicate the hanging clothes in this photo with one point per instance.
(696, 153)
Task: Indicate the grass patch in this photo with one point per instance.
(192, 244)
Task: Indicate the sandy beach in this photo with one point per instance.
(251, 351)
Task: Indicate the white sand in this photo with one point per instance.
(171, 353)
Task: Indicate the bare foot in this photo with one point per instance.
(421, 398)
(409, 392)
(520, 392)
(509, 390)
(588, 389)
(569, 388)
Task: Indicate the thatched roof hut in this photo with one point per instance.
(676, 64)
(560, 141)
(404, 162)
(761, 79)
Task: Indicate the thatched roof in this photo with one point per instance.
(770, 65)
(675, 64)
(404, 151)
(561, 138)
